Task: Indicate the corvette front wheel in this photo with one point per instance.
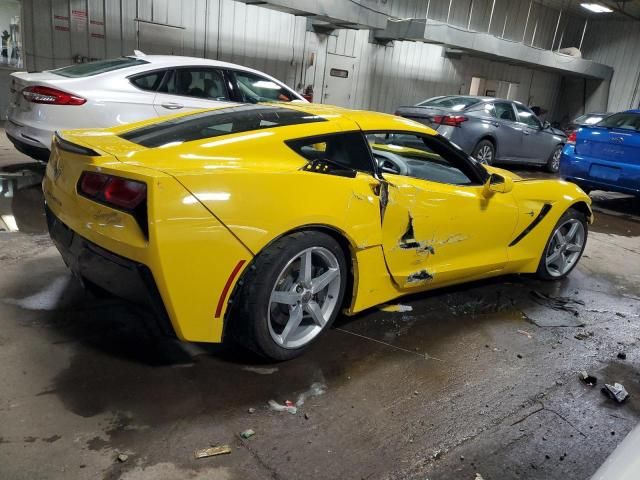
(564, 247)
(291, 294)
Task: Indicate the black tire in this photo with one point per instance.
(553, 163)
(485, 148)
(543, 271)
(249, 321)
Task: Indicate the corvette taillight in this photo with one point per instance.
(571, 140)
(450, 120)
(51, 96)
(117, 192)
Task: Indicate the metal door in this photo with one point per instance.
(338, 79)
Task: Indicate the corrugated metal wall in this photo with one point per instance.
(508, 20)
(403, 74)
(59, 32)
(617, 43)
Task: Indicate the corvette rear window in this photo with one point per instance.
(101, 66)
(214, 123)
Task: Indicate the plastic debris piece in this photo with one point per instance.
(288, 403)
(396, 308)
(315, 390)
(525, 333)
(588, 379)
(616, 392)
(479, 477)
(261, 370)
(248, 433)
(276, 407)
(123, 457)
(251, 410)
(212, 451)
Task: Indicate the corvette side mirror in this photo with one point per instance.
(545, 125)
(497, 184)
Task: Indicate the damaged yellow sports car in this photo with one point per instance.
(263, 222)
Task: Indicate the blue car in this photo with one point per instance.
(605, 156)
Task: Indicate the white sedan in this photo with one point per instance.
(106, 93)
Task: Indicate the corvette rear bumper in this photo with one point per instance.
(113, 273)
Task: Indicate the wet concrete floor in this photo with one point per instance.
(472, 380)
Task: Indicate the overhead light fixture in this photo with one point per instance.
(596, 7)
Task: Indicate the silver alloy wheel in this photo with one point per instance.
(485, 154)
(304, 297)
(555, 161)
(565, 247)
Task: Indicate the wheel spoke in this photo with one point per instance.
(319, 283)
(562, 263)
(316, 313)
(560, 240)
(306, 266)
(573, 247)
(287, 298)
(551, 259)
(295, 317)
(572, 232)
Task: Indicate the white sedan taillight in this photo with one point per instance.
(51, 96)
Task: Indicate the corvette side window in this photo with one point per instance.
(347, 150)
(417, 156)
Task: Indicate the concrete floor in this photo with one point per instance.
(476, 379)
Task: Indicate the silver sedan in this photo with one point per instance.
(491, 129)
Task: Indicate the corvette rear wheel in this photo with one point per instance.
(564, 247)
(292, 293)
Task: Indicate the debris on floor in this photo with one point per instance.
(525, 333)
(616, 392)
(251, 410)
(583, 335)
(276, 407)
(622, 355)
(547, 311)
(478, 477)
(399, 308)
(557, 303)
(123, 457)
(315, 390)
(261, 370)
(588, 379)
(212, 451)
(248, 433)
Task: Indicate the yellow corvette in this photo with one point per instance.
(264, 221)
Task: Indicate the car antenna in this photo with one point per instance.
(138, 53)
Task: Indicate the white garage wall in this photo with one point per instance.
(389, 76)
(277, 43)
(617, 43)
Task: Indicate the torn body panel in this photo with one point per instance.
(443, 230)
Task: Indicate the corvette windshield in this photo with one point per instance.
(217, 122)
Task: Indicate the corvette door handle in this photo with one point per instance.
(172, 106)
